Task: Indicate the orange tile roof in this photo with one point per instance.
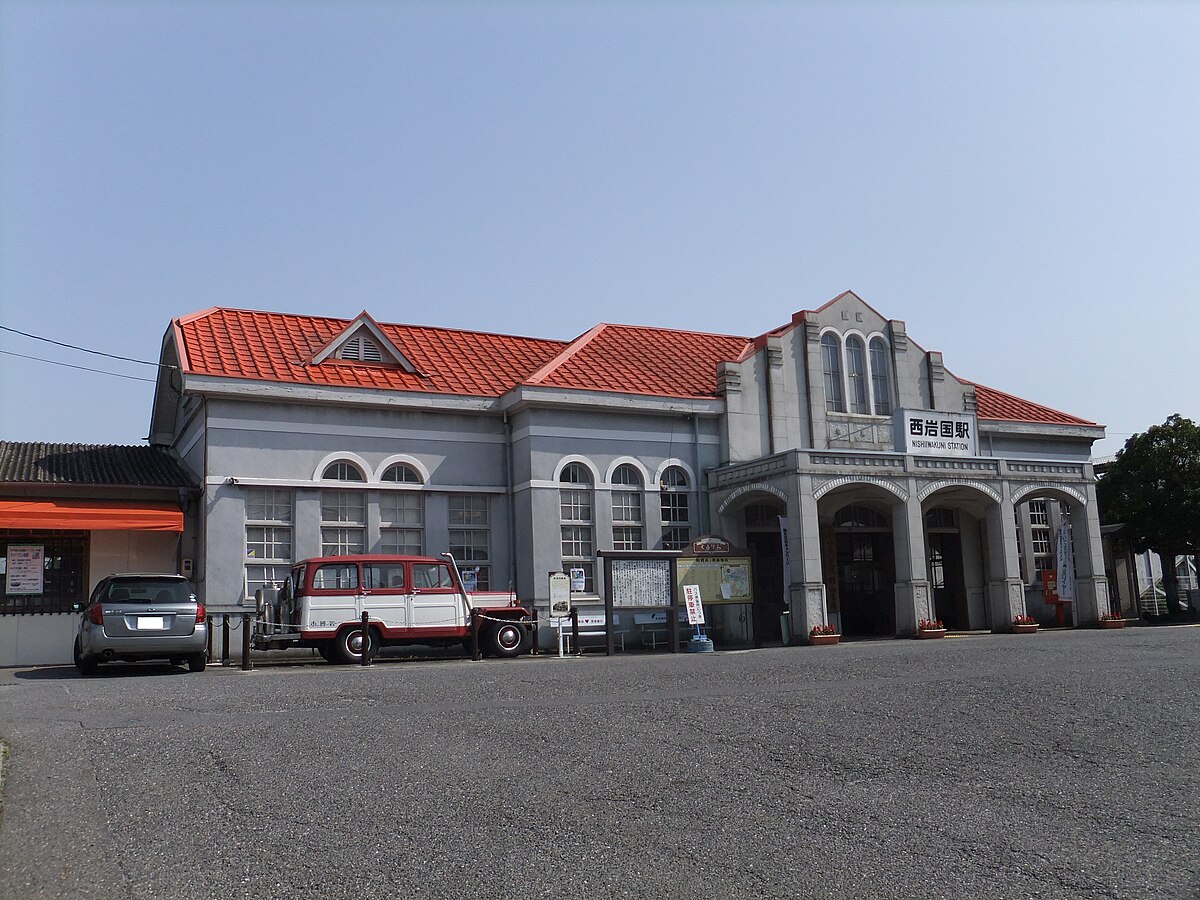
(994, 404)
(660, 362)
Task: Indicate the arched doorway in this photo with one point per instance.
(944, 555)
(863, 570)
(761, 524)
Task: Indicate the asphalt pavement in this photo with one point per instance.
(1062, 764)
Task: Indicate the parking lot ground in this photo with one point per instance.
(1062, 764)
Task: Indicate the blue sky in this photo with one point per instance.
(1019, 182)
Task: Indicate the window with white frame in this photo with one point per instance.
(675, 508)
(575, 512)
(342, 471)
(470, 536)
(1039, 535)
(402, 473)
(627, 508)
(881, 377)
(856, 374)
(343, 522)
(402, 523)
(831, 363)
(268, 537)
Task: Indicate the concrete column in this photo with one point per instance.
(1091, 585)
(808, 600)
(1005, 590)
(912, 578)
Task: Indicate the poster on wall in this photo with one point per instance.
(722, 579)
(641, 582)
(24, 563)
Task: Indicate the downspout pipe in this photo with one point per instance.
(512, 504)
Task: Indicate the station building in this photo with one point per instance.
(905, 491)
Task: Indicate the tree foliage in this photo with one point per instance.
(1153, 489)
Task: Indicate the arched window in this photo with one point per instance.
(575, 512)
(881, 377)
(342, 471)
(675, 508)
(831, 363)
(627, 509)
(856, 373)
(401, 473)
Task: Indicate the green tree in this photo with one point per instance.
(1153, 489)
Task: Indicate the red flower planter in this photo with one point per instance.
(929, 634)
(1112, 623)
(822, 640)
(1024, 629)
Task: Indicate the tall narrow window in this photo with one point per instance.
(469, 537)
(856, 373)
(675, 509)
(831, 362)
(1039, 535)
(881, 377)
(401, 521)
(575, 510)
(627, 509)
(343, 522)
(268, 537)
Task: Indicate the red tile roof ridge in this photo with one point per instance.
(573, 348)
(1065, 418)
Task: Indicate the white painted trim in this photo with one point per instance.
(240, 481)
(884, 483)
(623, 461)
(406, 459)
(1048, 490)
(758, 487)
(251, 389)
(342, 456)
(666, 464)
(456, 437)
(928, 490)
(575, 458)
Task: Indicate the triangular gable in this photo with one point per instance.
(365, 340)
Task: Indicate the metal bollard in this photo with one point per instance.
(575, 631)
(366, 646)
(224, 639)
(533, 648)
(246, 664)
(473, 624)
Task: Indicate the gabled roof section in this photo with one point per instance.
(999, 406)
(627, 359)
(105, 465)
(365, 336)
(278, 347)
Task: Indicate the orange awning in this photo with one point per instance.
(90, 515)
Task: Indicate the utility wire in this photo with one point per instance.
(84, 368)
(35, 337)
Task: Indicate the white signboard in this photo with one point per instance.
(24, 563)
(931, 432)
(560, 594)
(691, 599)
(641, 582)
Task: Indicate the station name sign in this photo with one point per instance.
(930, 432)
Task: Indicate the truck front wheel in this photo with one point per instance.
(348, 646)
(507, 639)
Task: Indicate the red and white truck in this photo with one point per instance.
(407, 599)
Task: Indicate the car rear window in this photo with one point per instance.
(149, 590)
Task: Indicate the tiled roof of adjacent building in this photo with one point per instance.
(90, 464)
(659, 362)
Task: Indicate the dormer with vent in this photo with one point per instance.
(363, 341)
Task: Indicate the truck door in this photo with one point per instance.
(334, 597)
(385, 593)
(436, 602)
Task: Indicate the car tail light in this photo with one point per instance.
(96, 614)
(201, 614)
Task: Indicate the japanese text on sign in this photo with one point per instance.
(935, 433)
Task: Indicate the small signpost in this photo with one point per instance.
(560, 604)
(695, 613)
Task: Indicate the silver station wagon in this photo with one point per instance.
(140, 617)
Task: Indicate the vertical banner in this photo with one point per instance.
(1065, 564)
(786, 542)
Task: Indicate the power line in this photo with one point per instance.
(36, 337)
(84, 368)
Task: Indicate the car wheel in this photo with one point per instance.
(196, 662)
(348, 645)
(507, 639)
(85, 664)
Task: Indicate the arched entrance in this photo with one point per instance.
(860, 570)
(944, 555)
(761, 527)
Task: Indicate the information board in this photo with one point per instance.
(721, 579)
(24, 564)
(641, 582)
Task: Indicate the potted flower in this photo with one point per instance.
(927, 629)
(1024, 625)
(1112, 620)
(819, 635)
